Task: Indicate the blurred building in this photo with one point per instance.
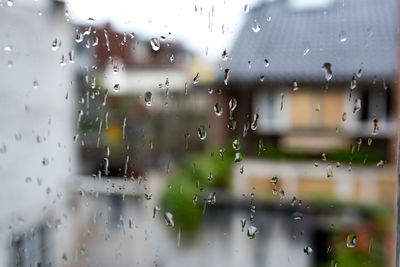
(37, 152)
(137, 94)
(320, 76)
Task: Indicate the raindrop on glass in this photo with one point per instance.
(375, 127)
(351, 241)
(357, 105)
(327, 68)
(295, 86)
(329, 171)
(342, 36)
(224, 55)
(236, 144)
(148, 98)
(218, 109)
(246, 8)
(226, 76)
(196, 78)
(155, 44)
(238, 157)
(168, 218)
(55, 45)
(251, 232)
(255, 26)
(201, 131)
(116, 87)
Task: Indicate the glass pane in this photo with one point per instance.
(192, 133)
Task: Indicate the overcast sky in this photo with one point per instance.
(155, 18)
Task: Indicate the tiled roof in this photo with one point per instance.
(369, 25)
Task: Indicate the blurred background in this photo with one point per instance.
(218, 133)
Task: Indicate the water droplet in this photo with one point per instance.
(262, 78)
(243, 223)
(201, 131)
(171, 58)
(249, 62)
(353, 83)
(297, 216)
(266, 63)
(236, 144)
(116, 87)
(196, 78)
(10, 64)
(224, 55)
(71, 56)
(55, 45)
(357, 105)
(351, 241)
(294, 199)
(281, 102)
(148, 98)
(255, 26)
(148, 196)
(210, 177)
(226, 76)
(195, 198)
(212, 198)
(329, 171)
(35, 84)
(241, 169)
(295, 86)
(254, 122)
(274, 180)
(369, 141)
(210, 90)
(168, 217)
(251, 232)
(327, 68)
(344, 116)
(79, 37)
(307, 250)
(218, 109)
(8, 48)
(359, 73)
(380, 164)
(337, 164)
(10, 3)
(232, 106)
(342, 36)
(155, 44)
(246, 8)
(238, 157)
(232, 125)
(281, 194)
(375, 127)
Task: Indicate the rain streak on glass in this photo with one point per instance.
(202, 133)
(281, 102)
(148, 98)
(196, 78)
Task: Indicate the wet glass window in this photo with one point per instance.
(193, 133)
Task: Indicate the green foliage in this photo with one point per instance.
(191, 179)
(364, 156)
